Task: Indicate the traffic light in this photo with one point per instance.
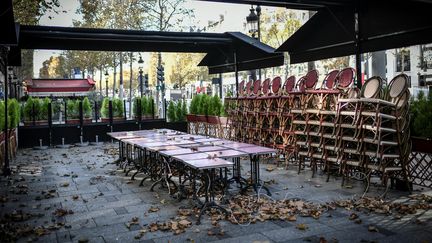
(146, 81)
(160, 74)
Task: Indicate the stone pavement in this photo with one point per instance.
(78, 195)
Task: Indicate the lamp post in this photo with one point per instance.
(253, 22)
(106, 83)
(141, 66)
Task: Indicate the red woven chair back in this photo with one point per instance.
(276, 84)
(330, 80)
(290, 83)
(311, 79)
(301, 84)
(241, 87)
(346, 78)
(266, 86)
(248, 87)
(256, 86)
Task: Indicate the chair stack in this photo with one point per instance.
(357, 133)
(374, 131)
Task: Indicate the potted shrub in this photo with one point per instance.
(421, 127)
(223, 117)
(137, 108)
(87, 110)
(72, 111)
(171, 112)
(13, 122)
(117, 110)
(31, 110)
(214, 109)
(2, 121)
(203, 105)
(179, 111)
(149, 107)
(193, 110)
(105, 110)
(184, 110)
(144, 107)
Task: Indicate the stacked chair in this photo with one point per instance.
(337, 127)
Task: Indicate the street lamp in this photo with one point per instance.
(106, 83)
(253, 22)
(141, 66)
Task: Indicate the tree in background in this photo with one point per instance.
(183, 69)
(29, 12)
(54, 67)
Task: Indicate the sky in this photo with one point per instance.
(234, 19)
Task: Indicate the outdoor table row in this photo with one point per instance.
(162, 154)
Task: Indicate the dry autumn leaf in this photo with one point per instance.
(302, 227)
(153, 209)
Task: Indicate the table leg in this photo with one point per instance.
(255, 176)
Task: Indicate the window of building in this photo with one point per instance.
(427, 57)
(403, 62)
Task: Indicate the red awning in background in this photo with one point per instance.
(60, 87)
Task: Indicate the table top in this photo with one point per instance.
(209, 148)
(257, 150)
(177, 152)
(228, 153)
(163, 147)
(193, 156)
(203, 140)
(202, 164)
(237, 145)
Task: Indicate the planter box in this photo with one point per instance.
(144, 117)
(77, 121)
(115, 119)
(201, 118)
(223, 120)
(191, 118)
(213, 119)
(37, 123)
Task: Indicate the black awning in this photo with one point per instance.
(66, 38)
(8, 29)
(331, 32)
(249, 52)
(303, 4)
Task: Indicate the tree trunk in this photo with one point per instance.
(121, 77)
(114, 78)
(130, 84)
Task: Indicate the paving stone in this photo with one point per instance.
(121, 210)
(284, 234)
(253, 238)
(111, 199)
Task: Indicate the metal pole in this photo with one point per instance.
(220, 85)
(130, 85)
(236, 73)
(258, 10)
(6, 168)
(100, 80)
(106, 87)
(121, 77)
(141, 82)
(358, 47)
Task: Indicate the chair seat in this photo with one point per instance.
(329, 136)
(347, 113)
(296, 111)
(303, 153)
(315, 145)
(384, 169)
(333, 159)
(383, 143)
(323, 91)
(331, 148)
(374, 114)
(377, 101)
(375, 128)
(350, 139)
(300, 122)
(315, 134)
(354, 100)
(348, 125)
(317, 155)
(353, 163)
(300, 143)
(351, 151)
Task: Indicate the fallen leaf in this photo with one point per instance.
(65, 184)
(292, 218)
(75, 197)
(302, 227)
(270, 168)
(353, 216)
(372, 228)
(153, 209)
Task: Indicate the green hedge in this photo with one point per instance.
(421, 116)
